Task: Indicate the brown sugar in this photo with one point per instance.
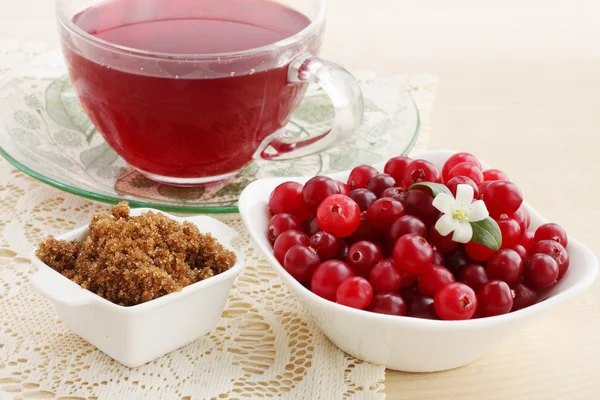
(130, 260)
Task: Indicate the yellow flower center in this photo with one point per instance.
(459, 215)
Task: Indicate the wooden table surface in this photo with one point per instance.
(519, 87)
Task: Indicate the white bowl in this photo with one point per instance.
(138, 334)
(405, 343)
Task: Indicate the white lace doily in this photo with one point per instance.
(265, 346)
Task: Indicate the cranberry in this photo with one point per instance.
(482, 187)
(328, 276)
(287, 240)
(478, 252)
(384, 277)
(325, 244)
(396, 193)
(434, 278)
(438, 257)
(456, 159)
(413, 254)
(527, 240)
(520, 250)
(421, 171)
(318, 189)
(506, 265)
(511, 232)
(362, 256)
(474, 275)
(366, 231)
(462, 180)
(363, 197)
(441, 243)
(281, 223)
(421, 307)
(522, 217)
(360, 175)
(495, 298)
(344, 189)
(456, 260)
(407, 280)
(396, 167)
(300, 262)
(523, 297)
(388, 303)
(355, 292)
(288, 198)
(383, 212)
(494, 175)
(338, 215)
(455, 301)
(502, 197)
(378, 183)
(551, 231)
(418, 203)
(404, 225)
(341, 255)
(541, 271)
(556, 251)
(466, 169)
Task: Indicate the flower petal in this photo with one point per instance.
(445, 203)
(446, 224)
(478, 211)
(464, 196)
(463, 232)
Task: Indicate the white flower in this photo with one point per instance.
(458, 213)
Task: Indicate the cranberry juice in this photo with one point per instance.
(166, 116)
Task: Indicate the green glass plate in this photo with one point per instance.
(45, 133)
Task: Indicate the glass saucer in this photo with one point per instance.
(45, 133)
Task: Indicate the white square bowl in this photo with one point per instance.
(405, 343)
(138, 334)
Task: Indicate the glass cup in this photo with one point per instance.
(186, 118)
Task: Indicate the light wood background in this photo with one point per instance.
(520, 87)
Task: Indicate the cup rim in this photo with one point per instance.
(68, 24)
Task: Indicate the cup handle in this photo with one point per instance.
(346, 96)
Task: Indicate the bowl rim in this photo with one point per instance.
(86, 297)
(246, 202)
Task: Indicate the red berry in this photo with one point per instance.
(478, 252)
(495, 298)
(523, 297)
(474, 275)
(419, 204)
(556, 251)
(288, 198)
(506, 265)
(456, 159)
(421, 171)
(378, 183)
(438, 257)
(462, 180)
(494, 175)
(520, 250)
(328, 276)
(366, 231)
(522, 217)
(502, 197)
(360, 175)
(407, 280)
(396, 193)
(413, 254)
(344, 189)
(441, 243)
(363, 197)
(541, 271)
(281, 223)
(421, 307)
(301, 261)
(396, 167)
(385, 277)
(318, 189)
(482, 187)
(456, 260)
(551, 231)
(527, 240)
(467, 169)
(383, 212)
(455, 301)
(355, 292)
(404, 225)
(362, 257)
(341, 255)
(388, 303)
(511, 232)
(286, 241)
(338, 215)
(325, 244)
(434, 278)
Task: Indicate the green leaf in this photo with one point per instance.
(436, 188)
(100, 156)
(487, 232)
